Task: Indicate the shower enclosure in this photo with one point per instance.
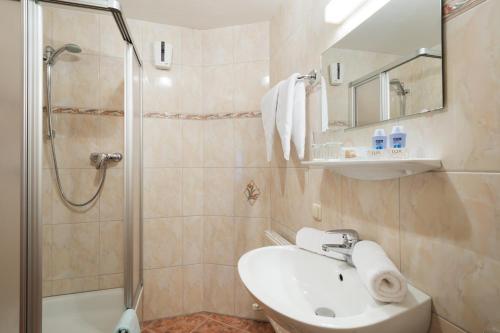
(83, 166)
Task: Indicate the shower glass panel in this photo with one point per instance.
(92, 245)
(133, 172)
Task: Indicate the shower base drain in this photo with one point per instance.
(325, 312)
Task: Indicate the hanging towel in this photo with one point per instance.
(377, 272)
(311, 239)
(129, 323)
(299, 118)
(268, 106)
(284, 113)
(324, 105)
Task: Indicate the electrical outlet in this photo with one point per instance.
(316, 211)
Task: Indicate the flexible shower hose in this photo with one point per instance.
(102, 168)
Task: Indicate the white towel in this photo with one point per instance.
(284, 113)
(129, 323)
(323, 105)
(268, 106)
(299, 118)
(311, 239)
(378, 273)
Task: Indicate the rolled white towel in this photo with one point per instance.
(311, 239)
(378, 273)
(129, 323)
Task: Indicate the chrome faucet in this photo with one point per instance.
(349, 238)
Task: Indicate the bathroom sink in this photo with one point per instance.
(308, 293)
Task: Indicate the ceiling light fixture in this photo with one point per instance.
(338, 10)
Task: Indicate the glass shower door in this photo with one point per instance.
(133, 177)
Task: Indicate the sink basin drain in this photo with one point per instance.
(325, 312)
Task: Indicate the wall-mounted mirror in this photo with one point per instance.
(390, 66)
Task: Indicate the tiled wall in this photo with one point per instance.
(440, 228)
(202, 146)
(197, 218)
(83, 249)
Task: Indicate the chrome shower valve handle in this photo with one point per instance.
(100, 159)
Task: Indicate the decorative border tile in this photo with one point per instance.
(85, 111)
(211, 116)
(160, 115)
(453, 8)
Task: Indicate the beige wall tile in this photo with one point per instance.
(192, 143)
(47, 252)
(162, 243)
(47, 16)
(111, 137)
(249, 235)
(77, 136)
(79, 185)
(75, 81)
(218, 289)
(46, 288)
(251, 42)
(77, 27)
(218, 88)
(163, 292)
(162, 197)
(193, 288)
(251, 81)
(472, 90)
(440, 325)
(217, 46)
(326, 190)
(242, 206)
(464, 285)
(111, 40)
(110, 281)
(458, 208)
(75, 250)
(192, 243)
(372, 208)
(192, 191)
(218, 240)
(191, 90)
(77, 285)
(111, 83)
(219, 143)
(161, 89)
(243, 301)
(47, 188)
(218, 191)
(191, 46)
(112, 240)
(111, 198)
(162, 143)
(249, 143)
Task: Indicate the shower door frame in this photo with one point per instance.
(31, 273)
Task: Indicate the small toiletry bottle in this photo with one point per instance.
(379, 139)
(397, 137)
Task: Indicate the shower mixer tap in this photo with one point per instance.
(101, 159)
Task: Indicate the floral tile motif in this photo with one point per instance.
(252, 192)
(206, 323)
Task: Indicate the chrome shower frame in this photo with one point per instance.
(31, 274)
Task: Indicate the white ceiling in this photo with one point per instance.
(201, 14)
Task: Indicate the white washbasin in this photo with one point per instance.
(290, 284)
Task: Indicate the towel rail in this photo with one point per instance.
(312, 77)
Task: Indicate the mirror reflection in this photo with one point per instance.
(390, 66)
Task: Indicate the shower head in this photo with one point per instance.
(51, 54)
(400, 87)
